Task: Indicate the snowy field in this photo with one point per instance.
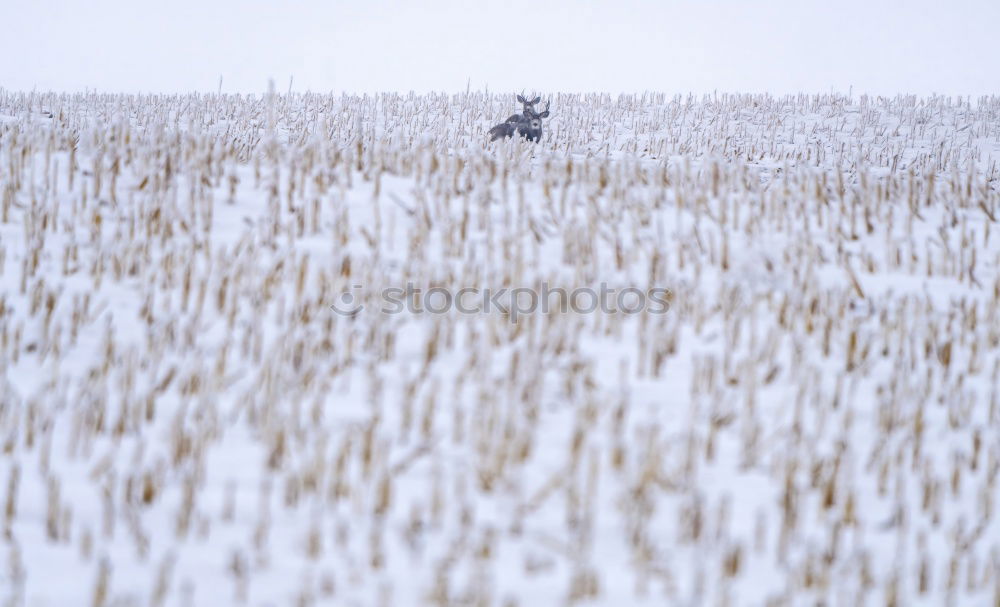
(185, 419)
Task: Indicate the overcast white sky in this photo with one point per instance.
(879, 46)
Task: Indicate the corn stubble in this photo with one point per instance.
(184, 421)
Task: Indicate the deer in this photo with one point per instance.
(527, 125)
(527, 106)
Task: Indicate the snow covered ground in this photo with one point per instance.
(185, 420)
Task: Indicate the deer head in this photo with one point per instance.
(531, 126)
(527, 107)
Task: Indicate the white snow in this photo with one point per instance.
(185, 421)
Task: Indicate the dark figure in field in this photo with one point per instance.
(527, 125)
(527, 108)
